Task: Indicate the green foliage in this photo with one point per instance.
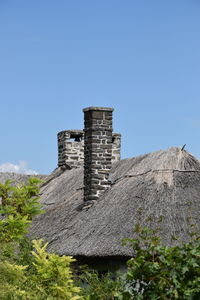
(161, 272)
(99, 287)
(18, 206)
(21, 199)
(27, 271)
(51, 277)
(155, 272)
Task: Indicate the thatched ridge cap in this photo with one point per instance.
(168, 161)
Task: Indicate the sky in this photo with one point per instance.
(140, 57)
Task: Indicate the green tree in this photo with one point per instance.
(27, 271)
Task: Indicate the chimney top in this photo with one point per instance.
(116, 134)
(98, 108)
(72, 131)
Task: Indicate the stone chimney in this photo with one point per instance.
(116, 147)
(70, 148)
(97, 151)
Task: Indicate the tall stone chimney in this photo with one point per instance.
(70, 148)
(97, 151)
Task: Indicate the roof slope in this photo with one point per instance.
(18, 178)
(159, 183)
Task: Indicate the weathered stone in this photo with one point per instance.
(116, 146)
(101, 149)
(99, 115)
(70, 148)
(98, 140)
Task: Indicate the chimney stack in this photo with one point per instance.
(70, 148)
(97, 151)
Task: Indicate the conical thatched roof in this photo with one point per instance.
(160, 183)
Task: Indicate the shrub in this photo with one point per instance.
(158, 271)
(155, 272)
(99, 286)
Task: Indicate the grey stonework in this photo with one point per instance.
(97, 151)
(71, 152)
(116, 147)
(70, 148)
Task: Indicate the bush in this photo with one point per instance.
(100, 286)
(155, 272)
(160, 272)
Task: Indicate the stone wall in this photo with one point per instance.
(97, 151)
(70, 148)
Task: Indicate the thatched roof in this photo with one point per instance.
(18, 178)
(160, 183)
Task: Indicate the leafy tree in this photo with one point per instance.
(27, 271)
(19, 204)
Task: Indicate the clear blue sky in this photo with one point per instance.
(57, 57)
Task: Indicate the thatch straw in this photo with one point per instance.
(160, 183)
